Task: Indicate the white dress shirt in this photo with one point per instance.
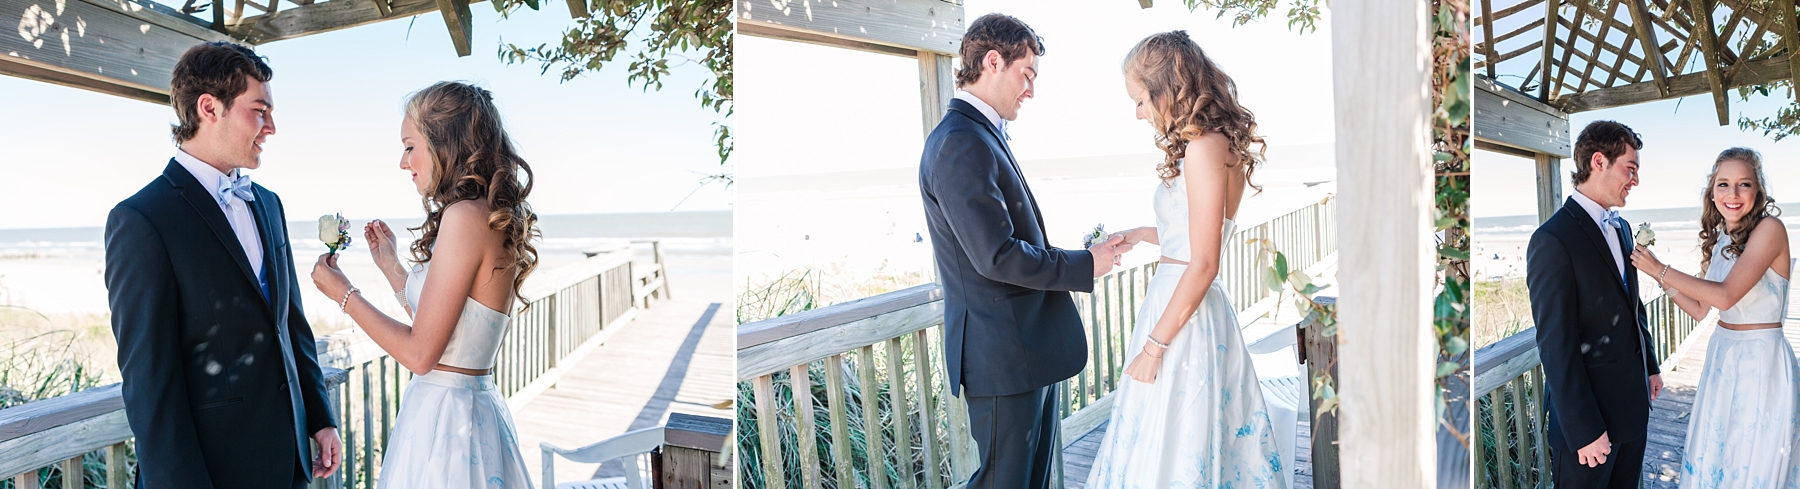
(1611, 233)
(987, 110)
(237, 212)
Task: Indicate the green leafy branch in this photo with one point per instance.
(685, 32)
(1279, 279)
(1451, 146)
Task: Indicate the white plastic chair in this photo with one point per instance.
(627, 448)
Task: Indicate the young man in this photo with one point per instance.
(1592, 333)
(222, 386)
(1011, 330)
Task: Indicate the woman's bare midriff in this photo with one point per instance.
(464, 371)
(1748, 327)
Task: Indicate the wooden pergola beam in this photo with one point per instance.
(1487, 31)
(1751, 73)
(322, 17)
(1709, 52)
(1548, 61)
(1790, 36)
(124, 48)
(460, 22)
(1511, 118)
(912, 25)
(1646, 34)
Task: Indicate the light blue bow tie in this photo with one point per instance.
(240, 187)
(1611, 217)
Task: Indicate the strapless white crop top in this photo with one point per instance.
(1765, 303)
(475, 343)
(1171, 204)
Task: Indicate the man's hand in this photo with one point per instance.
(1655, 386)
(1595, 453)
(1106, 254)
(331, 452)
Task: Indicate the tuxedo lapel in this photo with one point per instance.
(204, 204)
(1596, 238)
(272, 234)
(971, 112)
(1626, 247)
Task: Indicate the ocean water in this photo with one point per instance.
(60, 269)
(859, 225)
(1499, 242)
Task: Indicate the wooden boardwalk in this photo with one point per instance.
(1670, 413)
(676, 356)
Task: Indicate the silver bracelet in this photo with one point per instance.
(344, 305)
(1661, 276)
(1165, 346)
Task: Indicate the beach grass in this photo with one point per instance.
(1502, 308)
(48, 355)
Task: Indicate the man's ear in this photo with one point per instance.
(993, 59)
(209, 108)
(1597, 163)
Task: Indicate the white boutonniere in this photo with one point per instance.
(334, 231)
(1644, 236)
(1096, 236)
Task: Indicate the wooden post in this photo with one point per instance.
(937, 85)
(1380, 75)
(662, 270)
(117, 474)
(1549, 186)
(692, 453)
(1319, 352)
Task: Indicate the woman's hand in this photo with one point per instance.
(1143, 368)
(1646, 261)
(1135, 235)
(328, 278)
(382, 250)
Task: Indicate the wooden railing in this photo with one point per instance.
(886, 415)
(572, 309)
(1511, 445)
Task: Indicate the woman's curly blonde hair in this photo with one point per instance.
(1189, 97)
(473, 158)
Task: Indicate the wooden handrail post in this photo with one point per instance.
(662, 268)
(335, 379)
(693, 453)
(1320, 354)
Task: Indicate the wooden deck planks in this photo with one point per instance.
(676, 356)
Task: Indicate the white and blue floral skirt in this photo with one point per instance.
(454, 431)
(1203, 423)
(1742, 430)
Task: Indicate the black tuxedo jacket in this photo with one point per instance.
(1592, 332)
(1010, 325)
(222, 387)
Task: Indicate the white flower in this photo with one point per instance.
(334, 231)
(1096, 236)
(1644, 236)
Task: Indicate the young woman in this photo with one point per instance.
(1742, 431)
(453, 430)
(1193, 416)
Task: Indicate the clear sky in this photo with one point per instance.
(597, 144)
(1681, 139)
(810, 109)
